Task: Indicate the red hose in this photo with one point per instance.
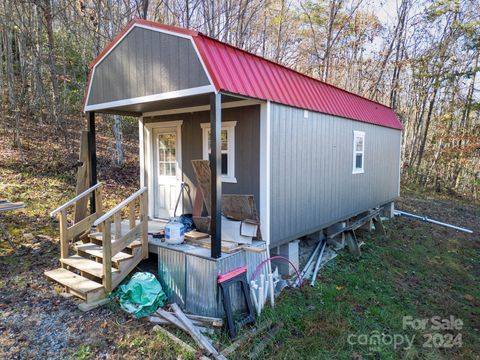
(259, 267)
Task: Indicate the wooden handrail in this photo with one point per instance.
(120, 206)
(74, 200)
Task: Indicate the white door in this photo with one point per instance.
(167, 171)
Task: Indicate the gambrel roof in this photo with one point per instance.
(238, 72)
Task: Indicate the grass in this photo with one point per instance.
(409, 274)
(420, 271)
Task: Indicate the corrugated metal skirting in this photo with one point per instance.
(189, 277)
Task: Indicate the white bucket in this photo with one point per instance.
(174, 233)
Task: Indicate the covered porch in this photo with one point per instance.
(172, 132)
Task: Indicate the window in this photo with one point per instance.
(167, 160)
(358, 152)
(228, 148)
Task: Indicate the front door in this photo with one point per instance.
(167, 171)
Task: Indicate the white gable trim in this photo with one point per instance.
(91, 107)
(150, 98)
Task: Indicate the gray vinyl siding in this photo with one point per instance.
(146, 62)
(312, 184)
(247, 148)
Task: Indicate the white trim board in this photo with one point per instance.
(91, 107)
(149, 128)
(265, 176)
(150, 98)
(228, 105)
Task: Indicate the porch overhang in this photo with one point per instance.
(214, 101)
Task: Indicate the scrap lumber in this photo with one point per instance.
(199, 338)
(235, 206)
(212, 321)
(266, 340)
(201, 168)
(162, 321)
(83, 178)
(178, 341)
(245, 336)
(227, 246)
(195, 235)
(171, 318)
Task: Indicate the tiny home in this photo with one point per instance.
(311, 154)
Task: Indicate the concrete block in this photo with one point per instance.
(387, 210)
(289, 251)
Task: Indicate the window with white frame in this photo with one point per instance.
(227, 148)
(358, 152)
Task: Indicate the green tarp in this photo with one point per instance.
(142, 295)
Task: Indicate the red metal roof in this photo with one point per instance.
(236, 71)
(239, 72)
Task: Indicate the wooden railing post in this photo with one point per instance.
(131, 215)
(63, 234)
(99, 205)
(144, 219)
(117, 218)
(107, 256)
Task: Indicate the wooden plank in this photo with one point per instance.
(131, 215)
(226, 246)
(120, 206)
(99, 205)
(73, 281)
(117, 219)
(127, 239)
(83, 178)
(213, 321)
(90, 306)
(63, 234)
(107, 257)
(199, 338)
(202, 172)
(265, 341)
(97, 251)
(196, 235)
(144, 218)
(245, 336)
(82, 226)
(178, 341)
(85, 265)
(172, 319)
(74, 200)
(198, 203)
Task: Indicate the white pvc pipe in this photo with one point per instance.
(272, 293)
(317, 265)
(254, 295)
(426, 219)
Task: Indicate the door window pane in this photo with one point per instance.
(166, 154)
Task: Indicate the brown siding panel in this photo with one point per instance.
(144, 63)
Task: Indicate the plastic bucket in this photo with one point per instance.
(174, 233)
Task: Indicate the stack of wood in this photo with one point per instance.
(203, 240)
(193, 325)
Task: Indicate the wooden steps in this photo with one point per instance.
(87, 274)
(97, 238)
(85, 265)
(97, 252)
(82, 287)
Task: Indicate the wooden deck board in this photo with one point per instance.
(89, 266)
(73, 281)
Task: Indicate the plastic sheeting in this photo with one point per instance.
(142, 295)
